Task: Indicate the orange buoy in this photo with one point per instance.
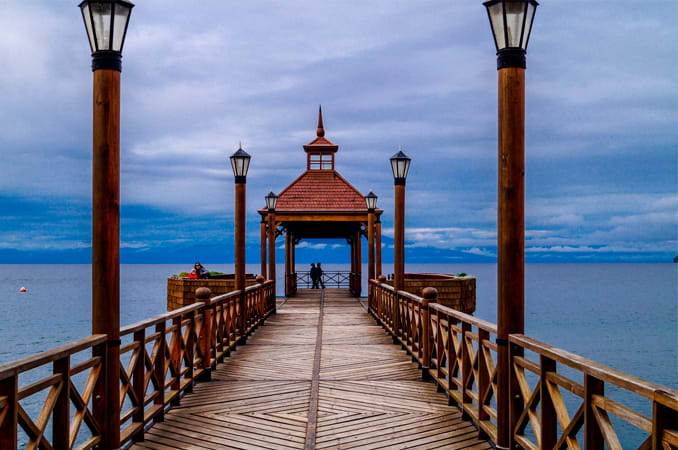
(23, 289)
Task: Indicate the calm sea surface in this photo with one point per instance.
(621, 315)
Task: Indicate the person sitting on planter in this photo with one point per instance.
(201, 271)
(193, 275)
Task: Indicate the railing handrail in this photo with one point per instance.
(589, 367)
(33, 361)
(134, 327)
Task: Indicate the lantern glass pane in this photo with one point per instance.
(529, 18)
(88, 25)
(245, 166)
(119, 26)
(101, 13)
(394, 167)
(404, 167)
(497, 21)
(515, 13)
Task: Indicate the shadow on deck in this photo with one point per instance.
(319, 374)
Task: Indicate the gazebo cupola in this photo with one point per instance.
(320, 151)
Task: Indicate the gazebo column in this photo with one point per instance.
(352, 277)
(293, 268)
(358, 263)
(263, 247)
(378, 248)
(288, 286)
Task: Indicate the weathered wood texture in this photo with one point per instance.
(368, 393)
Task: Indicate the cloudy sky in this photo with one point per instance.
(601, 123)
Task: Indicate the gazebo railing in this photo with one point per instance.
(331, 279)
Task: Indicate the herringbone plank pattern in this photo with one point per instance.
(366, 393)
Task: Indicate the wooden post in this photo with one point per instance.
(549, 420)
(106, 247)
(430, 296)
(271, 245)
(288, 286)
(240, 188)
(371, 269)
(9, 387)
(176, 345)
(352, 277)
(511, 232)
(263, 246)
(61, 417)
(399, 237)
(378, 248)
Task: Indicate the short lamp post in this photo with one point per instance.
(240, 162)
(511, 22)
(400, 164)
(106, 24)
(271, 202)
(371, 202)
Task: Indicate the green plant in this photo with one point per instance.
(214, 272)
(463, 274)
(183, 275)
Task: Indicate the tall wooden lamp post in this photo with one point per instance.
(271, 202)
(400, 164)
(511, 22)
(240, 162)
(106, 24)
(371, 201)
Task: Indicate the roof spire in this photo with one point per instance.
(321, 131)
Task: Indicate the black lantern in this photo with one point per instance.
(400, 163)
(240, 161)
(511, 22)
(371, 201)
(271, 201)
(106, 23)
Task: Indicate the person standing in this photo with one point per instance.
(314, 276)
(319, 272)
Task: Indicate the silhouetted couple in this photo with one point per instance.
(317, 276)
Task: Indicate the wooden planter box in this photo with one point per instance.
(181, 291)
(454, 292)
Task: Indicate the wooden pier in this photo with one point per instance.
(319, 374)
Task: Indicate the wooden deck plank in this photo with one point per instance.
(368, 393)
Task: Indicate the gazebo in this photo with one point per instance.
(319, 204)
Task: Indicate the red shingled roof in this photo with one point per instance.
(321, 190)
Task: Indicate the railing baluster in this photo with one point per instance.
(430, 296)
(176, 345)
(61, 416)
(547, 415)
(593, 436)
(515, 403)
(8, 426)
(465, 366)
(159, 370)
(138, 386)
(483, 379)
(664, 418)
(189, 351)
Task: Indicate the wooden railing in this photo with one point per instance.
(161, 358)
(458, 352)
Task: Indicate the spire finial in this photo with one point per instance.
(321, 131)
(239, 145)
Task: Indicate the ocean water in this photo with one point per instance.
(621, 315)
